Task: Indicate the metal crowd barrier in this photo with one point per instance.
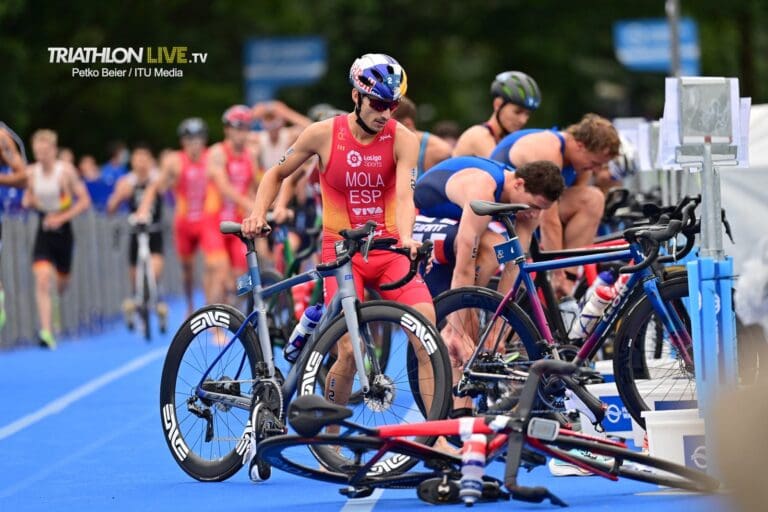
(99, 280)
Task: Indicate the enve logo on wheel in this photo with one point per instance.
(209, 319)
(390, 464)
(308, 380)
(172, 431)
(421, 331)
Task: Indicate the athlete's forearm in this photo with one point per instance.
(18, 176)
(266, 194)
(551, 229)
(406, 216)
(466, 261)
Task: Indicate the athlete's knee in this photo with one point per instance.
(592, 200)
(427, 309)
(43, 272)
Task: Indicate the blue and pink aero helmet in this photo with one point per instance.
(379, 76)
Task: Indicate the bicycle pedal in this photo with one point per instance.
(439, 491)
(356, 492)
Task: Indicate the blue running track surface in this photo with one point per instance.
(80, 431)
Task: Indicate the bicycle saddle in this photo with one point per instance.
(491, 208)
(308, 414)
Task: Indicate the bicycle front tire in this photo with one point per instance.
(641, 368)
(208, 439)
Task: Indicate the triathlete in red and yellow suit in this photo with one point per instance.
(197, 206)
(241, 174)
(367, 172)
(357, 185)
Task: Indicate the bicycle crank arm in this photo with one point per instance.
(584, 401)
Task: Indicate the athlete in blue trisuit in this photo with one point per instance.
(12, 174)
(463, 244)
(578, 150)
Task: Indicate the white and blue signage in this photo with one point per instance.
(506, 251)
(644, 45)
(695, 450)
(617, 418)
(270, 63)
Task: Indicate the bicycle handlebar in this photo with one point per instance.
(422, 253)
(654, 235)
(690, 227)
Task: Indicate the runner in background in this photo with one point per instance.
(280, 126)
(13, 174)
(233, 170)
(131, 188)
(432, 149)
(195, 225)
(57, 193)
(515, 96)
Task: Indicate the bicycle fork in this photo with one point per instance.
(349, 306)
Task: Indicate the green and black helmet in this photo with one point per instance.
(518, 88)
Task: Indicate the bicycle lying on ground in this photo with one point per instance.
(497, 323)
(221, 390)
(522, 440)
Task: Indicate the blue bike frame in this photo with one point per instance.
(679, 337)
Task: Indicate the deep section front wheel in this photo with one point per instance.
(206, 392)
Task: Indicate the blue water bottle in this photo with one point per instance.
(301, 332)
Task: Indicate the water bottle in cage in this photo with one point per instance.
(604, 278)
(472, 469)
(592, 312)
(569, 311)
(302, 332)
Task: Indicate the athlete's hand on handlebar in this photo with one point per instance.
(255, 226)
(139, 217)
(412, 245)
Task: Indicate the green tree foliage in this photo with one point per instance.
(451, 51)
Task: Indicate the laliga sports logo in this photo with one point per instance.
(354, 159)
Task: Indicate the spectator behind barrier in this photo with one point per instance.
(116, 166)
